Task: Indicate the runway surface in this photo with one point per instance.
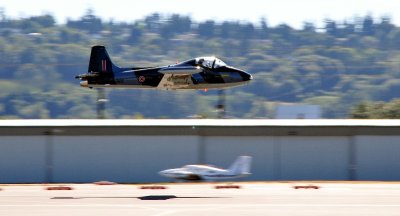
(203, 199)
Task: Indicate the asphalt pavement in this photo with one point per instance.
(325, 198)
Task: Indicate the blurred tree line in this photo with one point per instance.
(337, 67)
(377, 110)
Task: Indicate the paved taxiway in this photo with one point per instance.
(203, 199)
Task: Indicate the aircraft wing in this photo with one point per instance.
(188, 176)
(180, 70)
(193, 177)
(175, 81)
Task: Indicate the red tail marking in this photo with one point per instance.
(104, 65)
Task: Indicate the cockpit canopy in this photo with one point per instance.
(207, 62)
(210, 62)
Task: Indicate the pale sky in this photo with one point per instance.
(292, 12)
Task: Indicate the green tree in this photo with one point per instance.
(377, 110)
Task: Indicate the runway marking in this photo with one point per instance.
(166, 213)
(202, 205)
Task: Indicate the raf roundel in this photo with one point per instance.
(142, 79)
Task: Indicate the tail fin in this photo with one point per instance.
(241, 166)
(100, 61)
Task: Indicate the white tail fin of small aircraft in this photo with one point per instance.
(241, 165)
(239, 168)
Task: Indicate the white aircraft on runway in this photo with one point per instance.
(239, 168)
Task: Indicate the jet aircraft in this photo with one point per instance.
(197, 73)
(239, 168)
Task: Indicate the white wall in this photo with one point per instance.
(378, 157)
(120, 158)
(314, 158)
(140, 158)
(22, 159)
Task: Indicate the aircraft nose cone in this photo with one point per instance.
(246, 76)
(166, 173)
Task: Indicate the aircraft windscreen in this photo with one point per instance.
(210, 62)
(219, 63)
(188, 62)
